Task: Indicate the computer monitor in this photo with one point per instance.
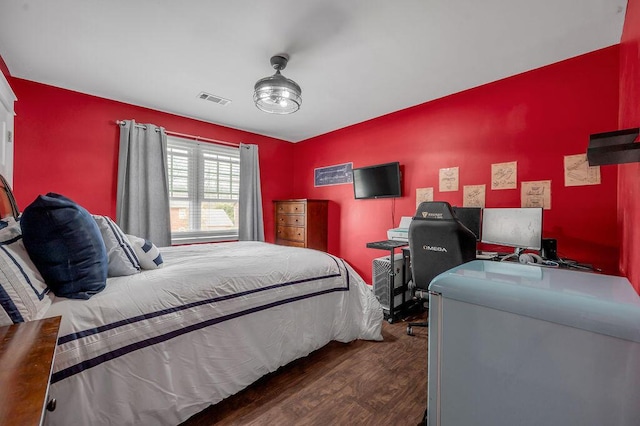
(520, 228)
(471, 217)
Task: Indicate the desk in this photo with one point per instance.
(508, 257)
(26, 353)
(393, 291)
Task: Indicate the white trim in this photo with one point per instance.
(178, 238)
(7, 97)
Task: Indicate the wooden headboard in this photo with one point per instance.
(8, 205)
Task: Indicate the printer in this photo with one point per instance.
(401, 233)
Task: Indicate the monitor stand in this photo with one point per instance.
(516, 254)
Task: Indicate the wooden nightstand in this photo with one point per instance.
(27, 351)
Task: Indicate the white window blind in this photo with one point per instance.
(204, 182)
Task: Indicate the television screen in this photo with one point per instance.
(514, 227)
(471, 217)
(379, 181)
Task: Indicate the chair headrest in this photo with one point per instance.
(438, 210)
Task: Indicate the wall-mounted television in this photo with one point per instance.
(377, 181)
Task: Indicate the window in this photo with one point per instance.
(204, 181)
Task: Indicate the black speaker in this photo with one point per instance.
(550, 249)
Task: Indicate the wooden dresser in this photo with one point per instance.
(27, 351)
(301, 223)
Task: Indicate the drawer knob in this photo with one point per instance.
(51, 405)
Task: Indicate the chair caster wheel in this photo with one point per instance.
(409, 330)
(390, 320)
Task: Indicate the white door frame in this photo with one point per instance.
(7, 112)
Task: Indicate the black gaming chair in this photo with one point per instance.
(438, 241)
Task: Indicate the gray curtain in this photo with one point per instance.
(250, 222)
(142, 204)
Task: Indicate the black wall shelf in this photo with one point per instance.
(614, 147)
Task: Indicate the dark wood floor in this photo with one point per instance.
(359, 383)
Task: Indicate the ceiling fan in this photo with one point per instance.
(277, 94)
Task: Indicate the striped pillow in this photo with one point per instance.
(121, 255)
(148, 253)
(24, 296)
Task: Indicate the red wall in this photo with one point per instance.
(67, 142)
(629, 174)
(534, 118)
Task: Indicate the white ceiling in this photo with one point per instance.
(354, 59)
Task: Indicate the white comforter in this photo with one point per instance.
(160, 346)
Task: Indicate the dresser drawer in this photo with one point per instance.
(290, 207)
(290, 243)
(292, 233)
(291, 219)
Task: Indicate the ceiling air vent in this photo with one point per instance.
(213, 98)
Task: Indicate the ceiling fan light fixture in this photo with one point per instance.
(277, 94)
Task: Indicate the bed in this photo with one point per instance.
(158, 346)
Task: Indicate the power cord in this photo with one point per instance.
(570, 263)
(393, 213)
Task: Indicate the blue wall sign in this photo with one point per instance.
(333, 175)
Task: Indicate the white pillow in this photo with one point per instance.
(24, 296)
(122, 256)
(148, 254)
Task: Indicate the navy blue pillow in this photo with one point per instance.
(65, 244)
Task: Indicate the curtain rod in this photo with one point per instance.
(184, 135)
